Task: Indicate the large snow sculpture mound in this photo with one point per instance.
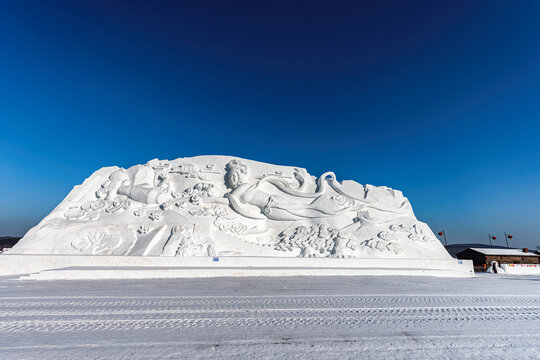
(226, 206)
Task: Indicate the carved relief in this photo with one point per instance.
(155, 216)
(192, 202)
(213, 211)
(143, 194)
(138, 212)
(383, 246)
(317, 240)
(95, 205)
(109, 189)
(164, 182)
(96, 241)
(233, 227)
(143, 229)
(75, 213)
(386, 236)
(183, 239)
(88, 211)
(415, 233)
(340, 242)
(118, 204)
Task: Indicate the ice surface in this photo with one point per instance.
(394, 317)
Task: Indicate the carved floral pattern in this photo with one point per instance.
(97, 205)
(415, 233)
(386, 236)
(118, 204)
(233, 227)
(138, 212)
(155, 216)
(186, 246)
(96, 241)
(317, 240)
(383, 246)
(143, 229)
(214, 211)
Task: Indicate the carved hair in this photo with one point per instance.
(236, 173)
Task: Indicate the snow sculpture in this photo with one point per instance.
(225, 206)
(495, 268)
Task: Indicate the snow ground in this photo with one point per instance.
(377, 317)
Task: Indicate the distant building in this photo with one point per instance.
(482, 257)
(454, 249)
(7, 242)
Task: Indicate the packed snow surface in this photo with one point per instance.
(388, 317)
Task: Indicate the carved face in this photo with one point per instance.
(233, 179)
(236, 172)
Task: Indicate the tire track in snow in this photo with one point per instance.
(187, 319)
(149, 312)
(201, 302)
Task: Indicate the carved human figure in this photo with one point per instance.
(109, 189)
(340, 243)
(290, 203)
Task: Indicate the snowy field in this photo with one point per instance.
(264, 318)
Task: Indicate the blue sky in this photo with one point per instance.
(437, 99)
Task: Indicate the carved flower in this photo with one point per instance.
(143, 229)
(155, 216)
(401, 228)
(166, 205)
(74, 213)
(386, 235)
(195, 199)
(221, 211)
(101, 192)
(97, 204)
(118, 204)
(230, 226)
(415, 237)
(138, 212)
(175, 194)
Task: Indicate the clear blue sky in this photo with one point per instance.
(440, 99)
